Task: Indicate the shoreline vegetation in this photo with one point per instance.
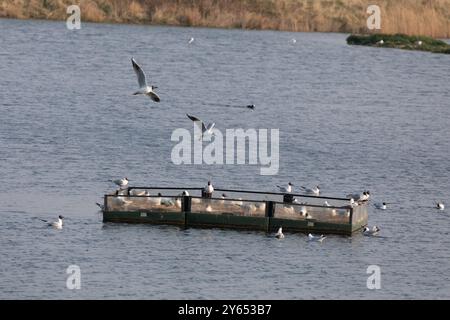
(400, 41)
(410, 17)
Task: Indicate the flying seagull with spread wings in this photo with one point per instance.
(206, 129)
(143, 87)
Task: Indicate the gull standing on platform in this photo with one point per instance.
(122, 183)
(208, 190)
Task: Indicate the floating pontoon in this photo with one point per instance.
(265, 211)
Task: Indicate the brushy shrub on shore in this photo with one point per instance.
(400, 41)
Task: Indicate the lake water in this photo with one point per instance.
(350, 118)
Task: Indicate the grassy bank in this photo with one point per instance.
(413, 17)
(400, 41)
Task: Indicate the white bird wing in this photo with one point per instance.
(199, 123)
(154, 96)
(210, 126)
(139, 73)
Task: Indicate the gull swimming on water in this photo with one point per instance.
(315, 190)
(279, 234)
(440, 206)
(143, 87)
(206, 129)
(56, 224)
(191, 40)
(316, 238)
(287, 189)
(101, 206)
(371, 232)
(381, 206)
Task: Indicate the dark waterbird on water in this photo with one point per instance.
(247, 106)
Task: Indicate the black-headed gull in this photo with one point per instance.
(371, 232)
(143, 87)
(156, 201)
(315, 190)
(209, 188)
(184, 194)
(142, 193)
(206, 129)
(381, 206)
(360, 197)
(279, 234)
(56, 224)
(287, 189)
(316, 238)
(440, 206)
(121, 182)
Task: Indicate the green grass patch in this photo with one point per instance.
(400, 41)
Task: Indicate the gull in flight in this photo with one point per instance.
(191, 40)
(315, 190)
(143, 87)
(440, 206)
(287, 189)
(316, 238)
(56, 224)
(121, 182)
(279, 234)
(206, 129)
